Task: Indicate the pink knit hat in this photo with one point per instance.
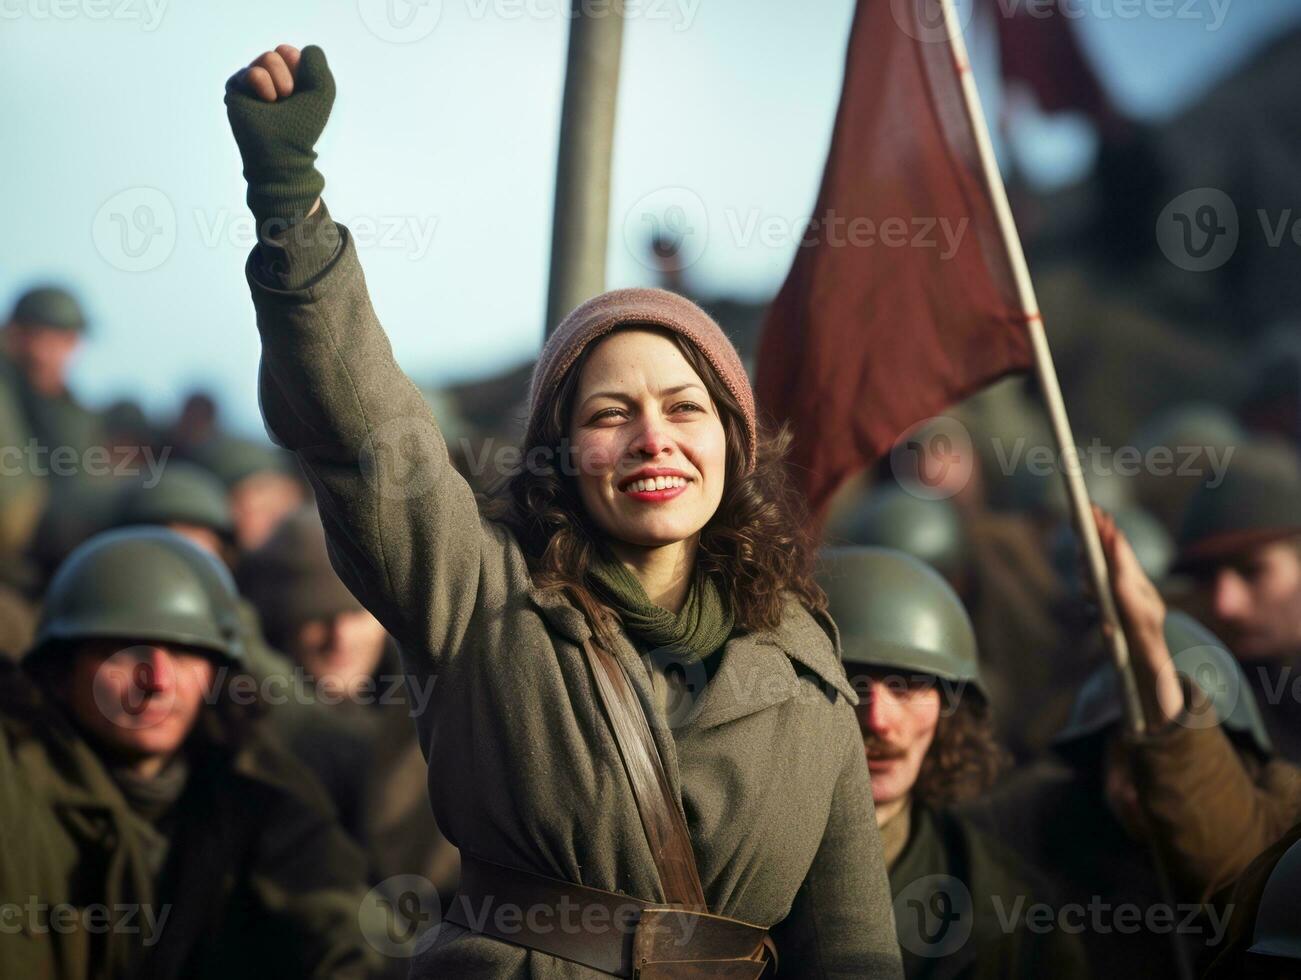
(650, 307)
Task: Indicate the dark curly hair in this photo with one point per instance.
(756, 544)
(965, 758)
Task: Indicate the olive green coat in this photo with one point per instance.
(260, 881)
(990, 938)
(769, 767)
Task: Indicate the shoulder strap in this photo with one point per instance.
(661, 817)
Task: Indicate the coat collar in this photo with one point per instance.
(758, 669)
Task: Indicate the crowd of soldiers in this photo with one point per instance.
(209, 764)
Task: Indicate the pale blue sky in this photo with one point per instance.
(441, 154)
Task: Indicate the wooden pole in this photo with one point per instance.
(1046, 372)
(580, 222)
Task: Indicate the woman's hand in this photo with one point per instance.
(1142, 616)
(278, 107)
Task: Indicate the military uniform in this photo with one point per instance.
(1056, 815)
(959, 896)
(239, 866)
(999, 888)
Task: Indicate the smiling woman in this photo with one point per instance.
(662, 556)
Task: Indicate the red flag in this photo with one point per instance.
(1040, 48)
(901, 299)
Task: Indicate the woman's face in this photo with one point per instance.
(649, 441)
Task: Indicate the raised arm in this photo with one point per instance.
(403, 527)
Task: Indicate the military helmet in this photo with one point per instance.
(1044, 492)
(1200, 656)
(184, 494)
(1153, 546)
(49, 306)
(1277, 931)
(930, 530)
(894, 611)
(1258, 501)
(1187, 426)
(142, 584)
(233, 459)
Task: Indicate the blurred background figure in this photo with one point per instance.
(140, 778)
(352, 720)
(1240, 545)
(1077, 813)
(263, 485)
(910, 651)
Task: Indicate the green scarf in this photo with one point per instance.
(703, 625)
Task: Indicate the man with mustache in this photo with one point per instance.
(910, 651)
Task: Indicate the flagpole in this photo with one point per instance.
(581, 215)
(1076, 492)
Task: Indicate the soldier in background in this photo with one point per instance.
(1079, 815)
(134, 774)
(355, 711)
(1240, 543)
(191, 501)
(263, 485)
(44, 331)
(910, 651)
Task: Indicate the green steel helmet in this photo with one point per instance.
(233, 459)
(895, 611)
(1258, 501)
(930, 530)
(1039, 488)
(1153, 546)
(184, 494)
(1188, 426)
(1200, 656)
(1278, 927)
(49, 306)
(142, 584)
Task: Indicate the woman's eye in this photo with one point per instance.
(607, 414)
(687, 407)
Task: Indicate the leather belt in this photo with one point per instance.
(616, 934)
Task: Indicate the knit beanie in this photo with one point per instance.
(641, 307)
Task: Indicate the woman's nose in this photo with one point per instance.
(652, 436)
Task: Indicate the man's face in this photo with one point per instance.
(43, 353)
(1254, 602)
(258, 504)
(341, 652)
(897, 716)
(139, 702)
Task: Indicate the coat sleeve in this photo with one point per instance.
(841, 923)
(403, 526)
(1210, 814)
